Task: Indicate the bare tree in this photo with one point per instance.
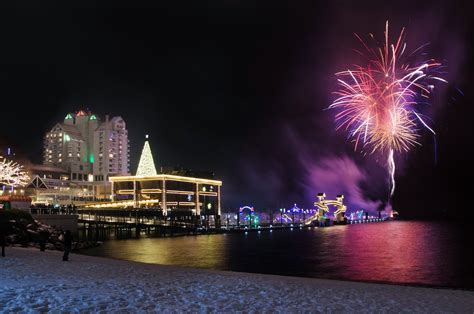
(12, 173)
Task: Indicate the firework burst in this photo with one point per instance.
(379, 103)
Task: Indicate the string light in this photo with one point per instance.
(167, 177)
(146, 165)
(12, 174)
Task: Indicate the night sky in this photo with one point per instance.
(239, 89)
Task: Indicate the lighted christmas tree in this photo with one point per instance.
(146, 166)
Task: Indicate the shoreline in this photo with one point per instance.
(40, 281)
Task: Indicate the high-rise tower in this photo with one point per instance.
(88, 149)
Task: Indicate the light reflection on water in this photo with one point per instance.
(402, 252)
(194, 251)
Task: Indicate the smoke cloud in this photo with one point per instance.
(340, 175)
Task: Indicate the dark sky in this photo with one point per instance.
(238, 88)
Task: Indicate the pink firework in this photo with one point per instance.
(377, 102)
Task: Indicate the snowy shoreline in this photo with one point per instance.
(31, 280)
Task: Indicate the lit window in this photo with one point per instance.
(60, 160)
(111, 155)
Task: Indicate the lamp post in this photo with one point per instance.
(204, 209)
(281, 217)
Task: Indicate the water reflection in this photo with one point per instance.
(195, 251)
(402, 252)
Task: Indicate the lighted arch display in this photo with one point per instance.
(251, 209)
(322, 205)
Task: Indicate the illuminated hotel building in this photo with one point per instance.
(88, 149)
(111, 149)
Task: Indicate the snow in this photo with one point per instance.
(34, 281)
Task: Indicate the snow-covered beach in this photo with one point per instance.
(31, 280)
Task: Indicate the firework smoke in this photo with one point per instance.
(391, 171)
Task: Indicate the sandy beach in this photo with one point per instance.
(31, 280)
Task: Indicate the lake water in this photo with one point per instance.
(425, 253)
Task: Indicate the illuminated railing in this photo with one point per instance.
(165, 177)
